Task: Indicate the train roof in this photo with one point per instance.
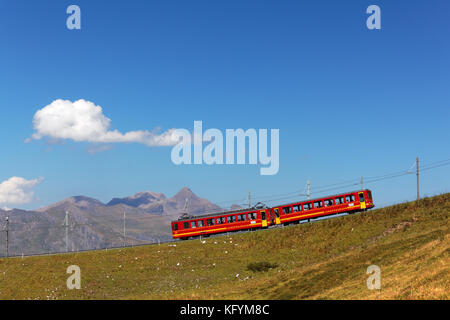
(220, 213)
(315, 199)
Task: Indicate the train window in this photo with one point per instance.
(361, 197)
(307, 206)
(252, 216)
(200, 223)
(328, 202)
(297, 208)
(286, 210)
(339, 200)
(210, 222)
(369, 194)
(242, 217)
(350, 198)
(318, 204)
(231, 219)
(193, 224)
(186, 225)
(175, 226)
(263, 215)
(277, 212)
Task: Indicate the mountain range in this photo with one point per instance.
(95, 225)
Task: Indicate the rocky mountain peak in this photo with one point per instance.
(139, 200)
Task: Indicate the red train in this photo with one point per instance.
(257, 218)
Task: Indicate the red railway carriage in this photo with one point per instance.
(228, 221)
(349, 202)
(254, 218)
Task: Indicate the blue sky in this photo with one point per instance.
(348, 101)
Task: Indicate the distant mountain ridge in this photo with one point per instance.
(95, 225)
(148, 201)
(158, 203)
(141, 199)
(80, 201)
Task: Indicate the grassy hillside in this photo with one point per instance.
(322, 260)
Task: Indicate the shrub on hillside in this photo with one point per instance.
(261, 266)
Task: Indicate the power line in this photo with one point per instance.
(352, 182)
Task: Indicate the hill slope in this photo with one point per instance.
(326, 259)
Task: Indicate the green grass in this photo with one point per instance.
(321, 260)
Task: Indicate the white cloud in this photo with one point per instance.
(17, 190)
(95, 149)
(84, 121)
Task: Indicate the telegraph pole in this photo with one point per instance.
(187, 206)
(417, 174)
(124, 232)
(7, 235)
(66, 225)
(308, 189)
(362, 188)
(249, 200)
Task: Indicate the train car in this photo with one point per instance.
(257, 218)
(229, 221)
(349, 202)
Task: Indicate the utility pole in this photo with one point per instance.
(66, 225)
(362, 188)
(417, 173)
(308, 189)
(124, 229)
(187, 206)
(7, 235)
(249, 200)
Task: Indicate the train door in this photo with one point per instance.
(276, 211)
(362, 200)
(271, 219)
(263, 218)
